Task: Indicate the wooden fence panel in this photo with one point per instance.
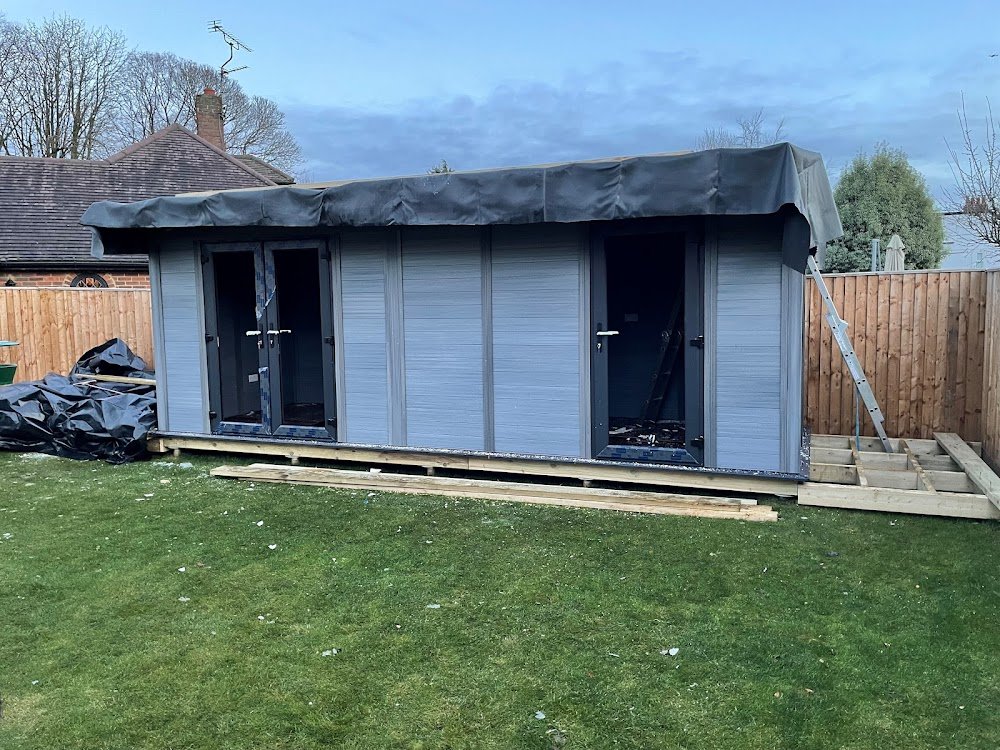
(991, 370)
(56, 325)
(922, 338)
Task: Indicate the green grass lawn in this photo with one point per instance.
(142, 607)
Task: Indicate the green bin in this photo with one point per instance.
(7, 371)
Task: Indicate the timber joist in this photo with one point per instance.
(633, 501)
(941, 477)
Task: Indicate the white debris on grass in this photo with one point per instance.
(331, 652)
(539, 715)
(672, 651)
(260, 523)
(7, 535)
(172, 465)
(164, 481)
(183, 599)
(182, 570)
(272, 546)
(433, 606)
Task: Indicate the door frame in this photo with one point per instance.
(269, 381)
(324, 260)
(212, 344)
(693, 230)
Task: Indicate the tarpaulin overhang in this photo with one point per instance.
(718, 182)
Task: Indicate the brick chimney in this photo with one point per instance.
(208, 118)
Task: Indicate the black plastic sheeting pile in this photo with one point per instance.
(76, 419)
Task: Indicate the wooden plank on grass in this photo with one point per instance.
(621, 500)
(898, 501)
(976, 469)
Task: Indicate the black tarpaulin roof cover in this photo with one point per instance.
(725, 182)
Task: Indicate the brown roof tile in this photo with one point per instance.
(41, 199)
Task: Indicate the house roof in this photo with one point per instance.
(41, 199)
(267, 169)
(716, 182)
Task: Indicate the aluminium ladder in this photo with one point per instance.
(839, 328)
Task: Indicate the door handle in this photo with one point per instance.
(603, 335)
(260, 341)
(275, 332)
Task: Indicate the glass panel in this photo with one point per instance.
(300, 345)
(236, 305)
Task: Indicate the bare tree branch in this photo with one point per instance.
(975, 168)
(160, 88)
(65, 74)
(752, 134)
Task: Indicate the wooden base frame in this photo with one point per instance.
(940, 477)
(579, 470)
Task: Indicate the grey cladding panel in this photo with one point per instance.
(536, 339)
(443, 339)
(366, 382)
(183, 338)
(748, 347)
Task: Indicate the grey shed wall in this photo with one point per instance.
(179, 337)
(478, 339)
(753, 372)
(488, 355)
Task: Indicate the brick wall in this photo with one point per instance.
(115, 279)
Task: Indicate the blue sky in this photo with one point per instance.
(380, 88)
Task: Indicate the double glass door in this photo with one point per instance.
(269, 334)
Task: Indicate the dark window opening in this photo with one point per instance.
(239, 356)
(296, 277)
(645, 296)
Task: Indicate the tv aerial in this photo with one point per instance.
(215, 27)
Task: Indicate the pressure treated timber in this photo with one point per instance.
(922, 337)
(56, 325)
(920, 477)
(923, 482)
(117, 379)
(898, 501)
(606, 471)
(974, 467)
(579, 497)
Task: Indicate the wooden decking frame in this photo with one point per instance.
(941, 477)
(583, 471)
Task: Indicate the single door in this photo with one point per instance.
(270, 339)
(647, 345)
(234, 327)
(299, 339)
